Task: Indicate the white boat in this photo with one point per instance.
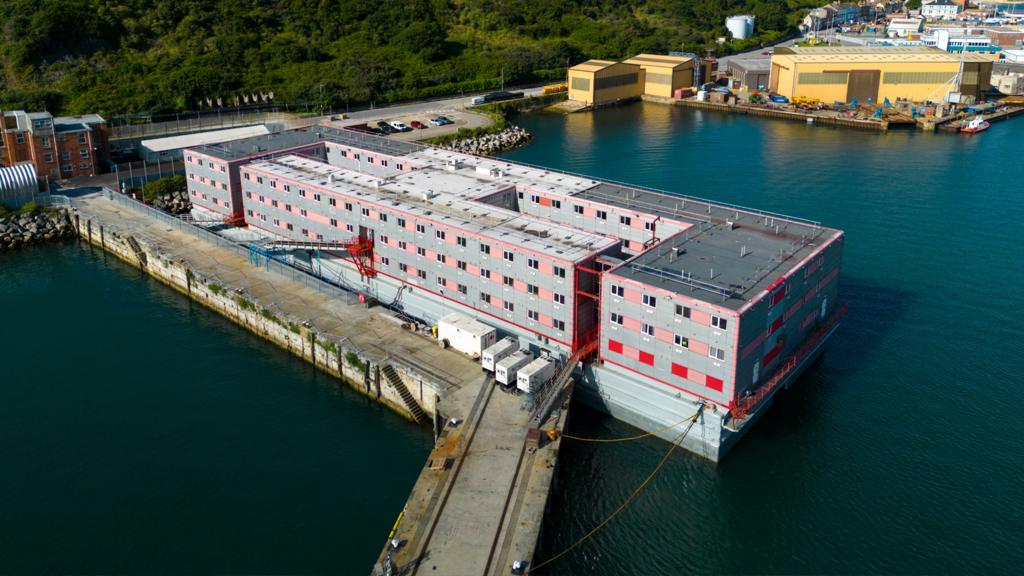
(977, 124)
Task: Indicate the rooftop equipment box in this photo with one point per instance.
(531, 377)
(505, 370)
(504, 348)
(465, 334)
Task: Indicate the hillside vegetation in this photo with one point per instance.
(121, 56)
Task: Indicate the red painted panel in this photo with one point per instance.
(646, 358)
(775, 325)
(771, 355)
(615, 346)
(679, 370)
(778, 296)
(714, 383)
(545, 201)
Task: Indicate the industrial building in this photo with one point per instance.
(170, 147)
(603, 82)
(872, 73)
(663, 75)
(671, 301)
(58, 148)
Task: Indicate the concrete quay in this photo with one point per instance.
(479, 503)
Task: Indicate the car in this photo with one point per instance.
(385, 128)
(441, 121)
(766, 53)
(399, 126)
(417, 125)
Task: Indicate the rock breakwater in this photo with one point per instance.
(34, 227)
(176, 203)
(491, 144)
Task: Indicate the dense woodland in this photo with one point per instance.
(126, 56)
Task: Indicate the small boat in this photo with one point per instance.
(977, 124)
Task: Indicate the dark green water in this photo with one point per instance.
(141, 433)
(902, 451)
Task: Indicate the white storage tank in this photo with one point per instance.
(504, 348)
(505, 370)
(466, 334)
(531, 377)
(741, 26)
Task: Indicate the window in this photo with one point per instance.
(382, 217)
(650, 301)
(485, 248)
(617, 318)
(319, 237)
(647, 329)
(559, 271)
(442, 282)
(718, 322)
(532, 289)
(385, 261)
(277, 222)
(558, 325)
(421, 229)
(332, 201)
(508, 281)
(334, 222)
(618, 291)
(460, 264)
(273, 203)
(625, 220)
(259, 179)
(349, 228)
(439, 234)
(316, 197)
(46, 143)
(463, 289)
(83, 153)
(485, 297)
(441, 258)
(302, 192)
(383, 239)
(520, 194)
(461, 241)
(533, 263)
(558, 298)
(348, 206)
(403, 267)
(305, 232)
(421, 251)
(485, 273)
(287, 188)
(422, 274)
(602, 215)
(48, 156)
(302, 211)
(556, 203)
(400, 222)
(533, 315)
(66, 156)
(287, 207)
(273, 183)
(648, 226)
(577, 209)
(289, 227)
(508, 256)
(263, 198)
(508, 306)
(402, 245)
(534, 198)
(82, 138)
(247, 212)
(716, 353)
(20, 138)
(365, 211)
(683, 311)
(682, 341)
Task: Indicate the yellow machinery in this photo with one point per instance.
(556, 88)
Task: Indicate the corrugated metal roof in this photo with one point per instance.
(660, 61)
(593, 65)
(870, 54)
(203, 138)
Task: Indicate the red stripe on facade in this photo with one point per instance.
(669, 384)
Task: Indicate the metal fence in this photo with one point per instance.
(194, 122)
(137, 173)
(242, 249)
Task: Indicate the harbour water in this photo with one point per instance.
(142, 433)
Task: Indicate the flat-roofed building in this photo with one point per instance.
(872, 73)
(602, 82)
(58, 148)
(663, 75)
(674, 302)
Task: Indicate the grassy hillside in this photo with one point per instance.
(119, 56)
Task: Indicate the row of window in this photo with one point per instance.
(685, 311)
(380, 161)
(676, 369)
(210, 164)
(678, 339)
(578, 209)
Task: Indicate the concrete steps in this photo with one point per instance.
(410, 402)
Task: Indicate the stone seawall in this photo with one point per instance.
(358, 370)
(17, 230)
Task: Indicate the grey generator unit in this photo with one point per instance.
(505, 370)
(503, 349)
(531, 377)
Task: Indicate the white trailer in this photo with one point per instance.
(531, 377)
(504, 348)
(505, 370)
(466, 334)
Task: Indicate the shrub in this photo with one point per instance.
(216, 289)
(352, 359)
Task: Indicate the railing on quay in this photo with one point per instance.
(275, 265)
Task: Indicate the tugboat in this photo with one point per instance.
(977, 124)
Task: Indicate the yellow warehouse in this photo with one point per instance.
(663, 75)
(600, 82)
(842, 73)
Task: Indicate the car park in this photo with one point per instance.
(399, 126)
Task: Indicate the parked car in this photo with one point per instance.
(441, 121)
(417, 125)
(400, 126)
(385, 128)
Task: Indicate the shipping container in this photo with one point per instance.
(505, 370)
(465, 334)
(531, 377)
(504, 348)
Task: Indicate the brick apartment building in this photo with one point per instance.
(59, 148)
